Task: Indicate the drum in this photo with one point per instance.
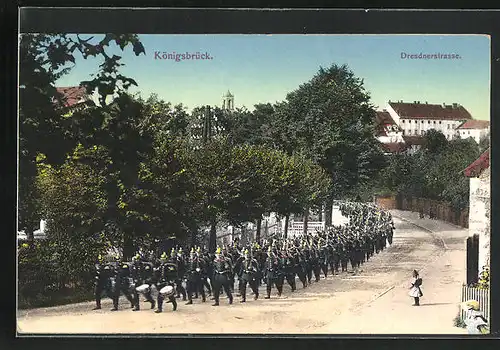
(143, 289)
(112, 283)
(167, 291)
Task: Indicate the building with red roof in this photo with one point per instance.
(415, 119)
(477, 129)
(74, 97)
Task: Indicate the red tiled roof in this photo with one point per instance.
(414, 140)
(394, 147)
(382, 120)
(475, 124)
(383, 117)
(73, 95)
(480, 164)
(430, 111)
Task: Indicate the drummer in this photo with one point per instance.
(165, 283)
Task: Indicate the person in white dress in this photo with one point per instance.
(415, 290)
(474, 319)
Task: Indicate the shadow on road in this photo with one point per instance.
(435, 304)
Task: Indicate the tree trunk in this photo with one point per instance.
(212, 243)
(320, 213)
(194, 240)
(257, 233)
(328, 212)
(128, 247)
(30, 236)
(287, 218)
(305, 220)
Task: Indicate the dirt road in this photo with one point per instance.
(374, 301)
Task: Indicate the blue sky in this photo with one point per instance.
(264, 68)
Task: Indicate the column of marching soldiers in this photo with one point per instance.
(177, 274)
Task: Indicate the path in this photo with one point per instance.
(374, 301)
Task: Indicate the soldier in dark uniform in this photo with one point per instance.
(125, 285)
(300, 266)
(194, 281)
(206, 272)
(145, 276)
(335, 261)
(104, 272)
(249, 275)
(273, 273)
(222, 273)
(178, 259)
(289, 269)
(344, 255)
(165, 275)
(324, 258)
(315, 263)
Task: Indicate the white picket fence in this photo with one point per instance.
(480, 295)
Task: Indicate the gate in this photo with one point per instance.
(472, 260)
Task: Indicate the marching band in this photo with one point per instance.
(271, 263)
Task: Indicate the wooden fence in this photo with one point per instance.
(440, 210)
(480, 295)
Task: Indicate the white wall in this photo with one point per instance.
(479, 217)
(476, 134)
(393, 114)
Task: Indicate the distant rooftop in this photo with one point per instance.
(475, 124)
(417, 110)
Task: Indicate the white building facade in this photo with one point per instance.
(480, 206)
(477, 129)
(415, 119)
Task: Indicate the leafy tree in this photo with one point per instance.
(484, 143)
(43, 60)
(331, 120)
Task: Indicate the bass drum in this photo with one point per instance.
(167, 291)
(143, 289)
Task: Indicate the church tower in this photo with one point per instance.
(228, 101)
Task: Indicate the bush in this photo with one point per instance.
(43, 281)
(458, 322)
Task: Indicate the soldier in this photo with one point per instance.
(222, 273)
(249, 275)
(104, 272)
(206, 269)
(289, 268)
(194, 274)
(165, 275)
(177, 258)
(300, 266)
(125, 285)
(145, 277)
(272, 273)
(315, 263)
(324, 258)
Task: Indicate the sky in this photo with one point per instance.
(264, 68)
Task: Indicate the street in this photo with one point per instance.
(373, 301)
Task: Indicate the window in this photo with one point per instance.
(402, 121)
(468, 132)
(416, 132)
(434, 122)
(422, 121)
(409, 132)
(449, 126)
(428, 122)
(440, 122)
